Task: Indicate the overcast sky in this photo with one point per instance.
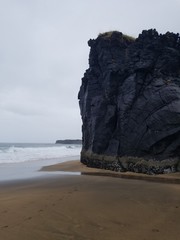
(44, 54)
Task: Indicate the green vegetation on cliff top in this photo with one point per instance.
(123, 36)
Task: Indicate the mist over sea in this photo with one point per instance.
(24, 160)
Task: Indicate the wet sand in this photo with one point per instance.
(89, 207)
(77, 166)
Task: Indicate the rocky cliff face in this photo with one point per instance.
(130, 103)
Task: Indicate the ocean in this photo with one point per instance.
(24, 160)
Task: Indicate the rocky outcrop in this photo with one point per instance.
(130, 103)
(69, 141)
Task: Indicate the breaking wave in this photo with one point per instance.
(16, 153)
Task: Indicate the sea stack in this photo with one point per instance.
(130, 103)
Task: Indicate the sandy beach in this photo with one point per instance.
(88, 207)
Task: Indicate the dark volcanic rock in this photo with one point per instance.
(130, 103)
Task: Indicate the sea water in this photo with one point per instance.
(24, 160)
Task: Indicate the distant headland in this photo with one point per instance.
(69, 141)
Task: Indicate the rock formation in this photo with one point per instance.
(130, 103)
(69, 141)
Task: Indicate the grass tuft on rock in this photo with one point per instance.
(121, 36)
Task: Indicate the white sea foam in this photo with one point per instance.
(20, 153)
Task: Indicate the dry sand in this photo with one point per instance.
(89, 207)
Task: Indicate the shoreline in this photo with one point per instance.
(29, 169)
(77, 166)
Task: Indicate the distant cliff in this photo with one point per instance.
(69, 141)
(130, 103)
